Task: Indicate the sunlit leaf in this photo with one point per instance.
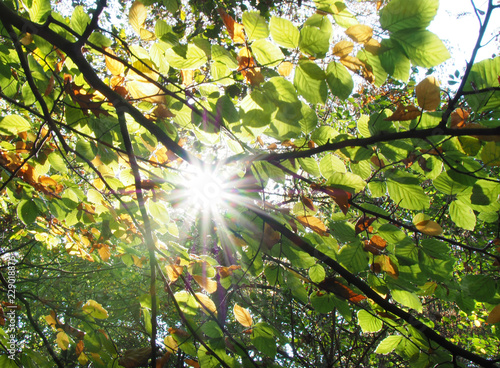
(62, 340)
(428, 94)
(313, 223)
(242, 316)
(206, 304)
(234, 29)
(359, 33)
(137, 16)
(95, 310)
(210, 286)
(255, 25)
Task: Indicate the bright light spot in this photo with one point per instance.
(205, 189)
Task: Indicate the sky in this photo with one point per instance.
(457, 25)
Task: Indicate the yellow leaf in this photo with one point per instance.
(352, 63)
(387, 265)
(137, 16)
(62, 340)
(104, 252)
(173, 272)
(429, 227)
(82, 359)
(210, 286)
(187, 76)
(147, 35)
(494, 316)
(95, 310)
(170, 344)
(343, 48)
(145, 91)
(51, 320)
(206, 303)
(373, 46)
(113, 65)
(285, 68)
(360, 33)
(242, 316)
(428, 94)
(313, 223)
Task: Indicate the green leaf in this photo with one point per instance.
(95, 310)
(375, 65)
(267, 53)
(462, 215)
(320, 21)
(448, 185)
(344, 17)
(284, 33)
(339, 80)
(27, 211)
(323, 302)
(187, 303)
(263, 339)
(317, 273)
(422, 47)
(314, 42)
(405, 192)
(347, 181)
(388, 344)
(186, 56)
(309, 119)
(402, 14)
(221, 55)
(330, 164)
(378, 125)
(394, 60)
(39, 10)
(490, 154)
(407, 299)
(255, 25)
(310, 82)
(14, 124)
(479, 287)
(353, 257)
(369, 322)
(79, 20)
(484, 74)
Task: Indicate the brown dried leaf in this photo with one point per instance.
(332, 285)
(458, 118)
(363, 224)
(308, 203)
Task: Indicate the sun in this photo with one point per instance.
(205, 189)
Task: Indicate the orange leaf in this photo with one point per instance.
(314, 223)
(342, 48)
(375, 245)
(428, 94)
(387, 266)
(228, 271)
(363, 224)
(458, 118)
(332, 285)
(242, 316)
(285, 68)
(235, 29)
(210, 286)
(173, 272)
(404, 113)
(79, 347)
(271, 236)
(192, 363)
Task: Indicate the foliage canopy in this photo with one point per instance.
(245, 184)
